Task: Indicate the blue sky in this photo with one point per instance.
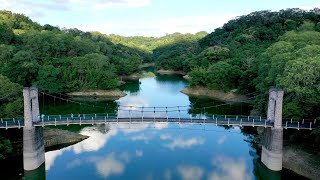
(144, 17)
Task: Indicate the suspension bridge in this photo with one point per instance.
(33, 123)
(140, 114)
(112, 118)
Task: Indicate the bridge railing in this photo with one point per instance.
(228, 119)
(11, 122)
(303, 123)
(209, 118)
(163, 116)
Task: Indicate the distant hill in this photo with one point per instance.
(253, 52)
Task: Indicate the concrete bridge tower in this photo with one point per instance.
(273, 137)
(33, 144)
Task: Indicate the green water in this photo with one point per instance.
(148, 150)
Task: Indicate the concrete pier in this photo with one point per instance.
(33, 144)
(273, 137)
(35, 104)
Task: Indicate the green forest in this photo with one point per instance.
(250, 53)
(254, 52)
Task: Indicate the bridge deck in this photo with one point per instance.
(100, 119)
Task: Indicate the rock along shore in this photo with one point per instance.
(98, 93)
(162, 71)
(53, 137)
(215, 94)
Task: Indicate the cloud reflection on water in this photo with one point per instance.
(110, 165)
(229, 169)
(95, 141)
(51, 156)
(222, 139)
(139, 153)
(114, 164)
(189, 172)
(184, 142)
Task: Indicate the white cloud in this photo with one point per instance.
(186, 24)
(105, 166)
(165, 136)
(105, 4)
(125, 156)
(139, 153)
(110, 165)
(128, 128)
(189, 172)
(51, 157)
(95, 141)
(222, 139)
(310, 6)
(141, 137)
(31, 8)
(74, 163)
(45, 8)
(7, 4)
(161, 125)
(184, 143)
(167, 174)
(229, 169)
(132, 104)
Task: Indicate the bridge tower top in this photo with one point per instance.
(274, 113)
(31, 106)
(27, 108)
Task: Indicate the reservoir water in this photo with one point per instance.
(151, 150)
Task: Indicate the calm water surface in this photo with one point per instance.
(155, 151)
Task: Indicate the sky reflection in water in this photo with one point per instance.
(154, 151)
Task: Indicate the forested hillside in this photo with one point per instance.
(60, 60)
(249, 53)
(57, 60)
(179, 48)
(254, 52)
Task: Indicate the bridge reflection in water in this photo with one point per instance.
(32, 123)
(109, 152)
(227, 120)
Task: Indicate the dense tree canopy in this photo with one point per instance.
(293, 64)
(64, 60)
(253, 52)
(249, 53)
(10, 98)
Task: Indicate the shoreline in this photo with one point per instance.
(137, 76)
(169, 71)
(146, 65)
(215, 94)
(99, 93)
(52, 137)
(300, 162)
(56, 137)
(296, 160)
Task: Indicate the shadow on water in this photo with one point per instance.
(37, 174)
(148, 69)
(12, 168)
(132, 87)
(211, 106)
(55, 106)
(171, 78)
(168, 87)
(260, 171)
